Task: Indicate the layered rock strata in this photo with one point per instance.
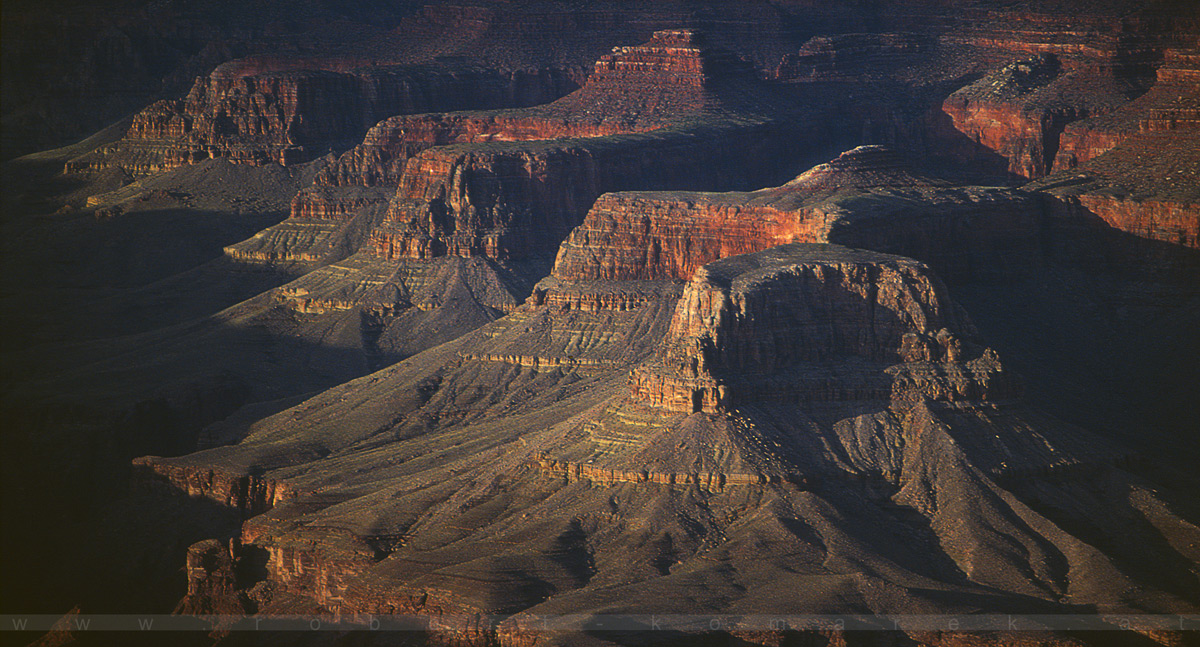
(513, 200)
(1171, 104)
(867, 197)
(811, 324)
(1146, 187)
(508, 184)
(633, 89)
(1017, 114)
(460, 191)
(286, 111)
(482, 481)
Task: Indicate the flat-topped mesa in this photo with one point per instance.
(851, 56)
(804, 323)
(677, 63)
(264, 110)
(633, 89)
(867, 197)
(669, 235)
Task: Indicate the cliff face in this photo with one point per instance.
(785, 325)
(633, 89)
(505, 201)
(509, 200)
(1019, 112)
(868, 198)
(820, 382)
(1144, 180)
(249, 494)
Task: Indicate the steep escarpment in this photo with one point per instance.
(1019, 112)
(665, 424)
(509, 200)
(506, 200)
(464, 183)
(773, 326)
(1145, 184)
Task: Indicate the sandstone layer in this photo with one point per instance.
(1171, 104)
(868, 197)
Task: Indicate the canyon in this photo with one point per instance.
(477, 316)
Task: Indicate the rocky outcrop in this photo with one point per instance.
(287, 110)
(1167, 221)
(785, 325)
(250, 494)
(213, 585)
(511, 200)
(1145, 187)
(1019, 112)
(671, 78)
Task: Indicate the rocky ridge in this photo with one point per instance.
(291, 110)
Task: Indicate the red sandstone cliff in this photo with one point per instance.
(1019, 112)
(868, 197)
(501, 198)
(672, 78)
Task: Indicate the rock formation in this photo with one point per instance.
(1136, 169)
(1170, 104)
(290, 110)
(798, 382)
(787, 324)
(868, 197)
(1020, 111)
(502, 199)
(715, 398)
(863, 396)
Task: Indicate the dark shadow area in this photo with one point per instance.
(66, 473)
(1104, 333)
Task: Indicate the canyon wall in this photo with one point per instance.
(287, 111)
